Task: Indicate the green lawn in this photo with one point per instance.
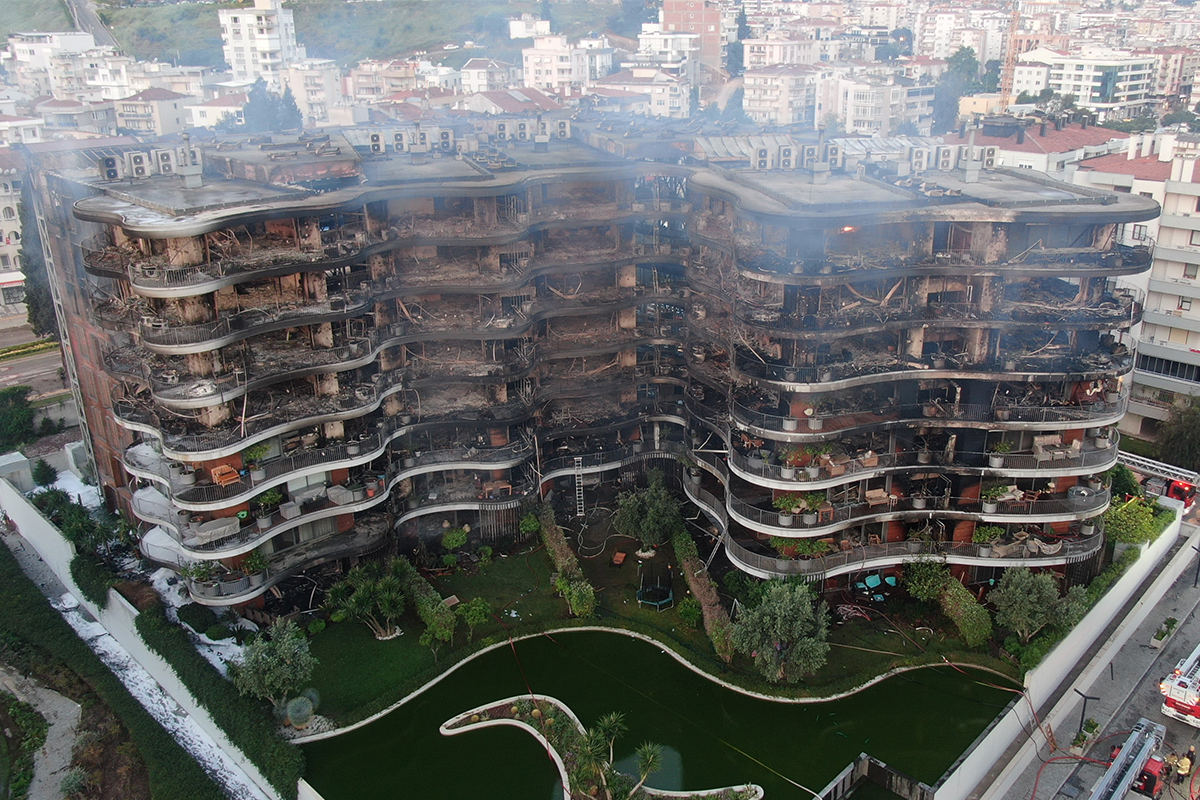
(34, 15)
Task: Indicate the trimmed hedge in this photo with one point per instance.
(29, 623)
(93, 577)
(197, 617)
(716, 618)
(425, 599)
(973, 620)
(249, 723)
(572, 584)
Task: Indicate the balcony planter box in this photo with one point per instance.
(924, 457)
(809, 518)
(405, 419)
(206, 589)
(786, 520)
(409, 461)
(939, 362)
(188, 476)
(996, 460)
(790, 424)
(985, 551)
(1087, 529)
(913, 546)
(638, 446)
(1102, 442)
(256, 579)
(176, 469)
(413, 503)
(264, 521)
(357, 492)
(789, 375)
(787, 473)
(694, 475)
(352, 449)
(1095, 485)
(990, 506)
(815, 423)
(919, 502)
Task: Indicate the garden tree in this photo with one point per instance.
(434, 638)
(16, 417)
(274, 665)
(903, 37)
(368, 595)
(38, 303)
(649, 757)
(1028, 601)
(1182, 117)
(1131, 522)
(268, 112)
(785, 633)
(43, 474)
(1123, 482)
(454, 538)
(991, 76)
(924, 578)
(611, 727)
(474, 612)
(590, 757)
(735, 52)
(1130, 125)
(651, 514)
(906, 128)
(1179, 436)
(960, 78)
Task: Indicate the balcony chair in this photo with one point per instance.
(224, 475)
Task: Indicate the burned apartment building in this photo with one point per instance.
(294, 345)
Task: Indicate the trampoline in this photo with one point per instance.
(657, 594)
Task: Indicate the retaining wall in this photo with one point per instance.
(118, 618)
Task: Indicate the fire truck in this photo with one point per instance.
(1163, 480)
(1135, 768)
(1181, 690)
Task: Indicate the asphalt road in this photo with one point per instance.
(39, 372)
(86, 19)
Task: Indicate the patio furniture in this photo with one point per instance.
(619, 558)
(224, 475)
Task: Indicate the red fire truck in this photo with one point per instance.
(1181, 690)
(1135, 769)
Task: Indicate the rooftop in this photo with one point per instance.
(1073, 136)
(154, 95)
(1147, 168)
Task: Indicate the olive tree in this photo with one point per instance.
(275, 665)
(651, 514)
(1027, 601)
(785, 633)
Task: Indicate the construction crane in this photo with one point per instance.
(1135, 769)
(1010, 56)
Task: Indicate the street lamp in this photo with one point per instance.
(1083, 715)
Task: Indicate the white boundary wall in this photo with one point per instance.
(1043, 680)
(118, 618)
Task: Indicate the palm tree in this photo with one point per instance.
(649, 760)
(610, 727)
(591, 757)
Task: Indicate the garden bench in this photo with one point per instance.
(224, 475)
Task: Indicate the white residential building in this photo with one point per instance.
(876, 105)
(213, 112)
(669, 96)
(316, 84)
(1115, 85)
(488, 75)
(782, 94)
(779, 48)
(260, 42)
(14, 129)
(553, 64)
(30, 55)
(527, 27)
(672, 52)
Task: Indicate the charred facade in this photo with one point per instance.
(321, 339)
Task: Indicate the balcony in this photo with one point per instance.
(1060, 550)
(825, 424)
(875, 367)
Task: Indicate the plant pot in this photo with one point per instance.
(756, 462)
(694, 476)
(913, 546)
(405, 419)
(919, 502)
(815, 423)
(924, 457)
(352, 449)
(1112, 397)
(1095, 486)
(1157, 643)
(813, 471)
(175, 469)
(188, 476)
(409, 461)
(264, 522)
(826, 375)
(787, 473)
(638, 447)
(1087, 529)
(809, 518)
(990, 507)
(1002, 414)
(939, 363)
(257, 578)
(786, 520)
(790, 424)
(1010, 365)
(258, 474)
(1102, 442)
(996, 461)
(789, 375)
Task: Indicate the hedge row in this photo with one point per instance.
(428, 603)
(93, 577)
(716, 618)
(27, 621)
(248, 723)
(973, 620)
(560, 551)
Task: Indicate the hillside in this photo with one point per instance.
(33, 15)
(349, 32)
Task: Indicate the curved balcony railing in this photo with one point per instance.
(846, 468)
(842, 375)
(1111, 314)
(1051, 509)
(934, 413)
(868, 557)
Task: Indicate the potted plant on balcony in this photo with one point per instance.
(266, 503)
(790, 458)
(811, 548)
(693, 469)
(919, 498)
(757, 459)
(1095, 483)
(814, 501)
(1087, 527)
(990, 498)
(202, 575)
(1102, 439)
(790, 424)
(251, 456)
(1112, 394)
(789, 505)
(984, 536)
(997, 452)
(407, 459)
(255, 567)
(815, 423)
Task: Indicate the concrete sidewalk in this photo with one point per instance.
(1122, 673)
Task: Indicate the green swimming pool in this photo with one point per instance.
(918, 722)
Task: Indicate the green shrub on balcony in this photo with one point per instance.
(986, 534)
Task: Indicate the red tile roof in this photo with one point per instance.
(154, 94)
(1071, 137)
(235, 100)
(516, 101)
(10, 118)
(1147, 168)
